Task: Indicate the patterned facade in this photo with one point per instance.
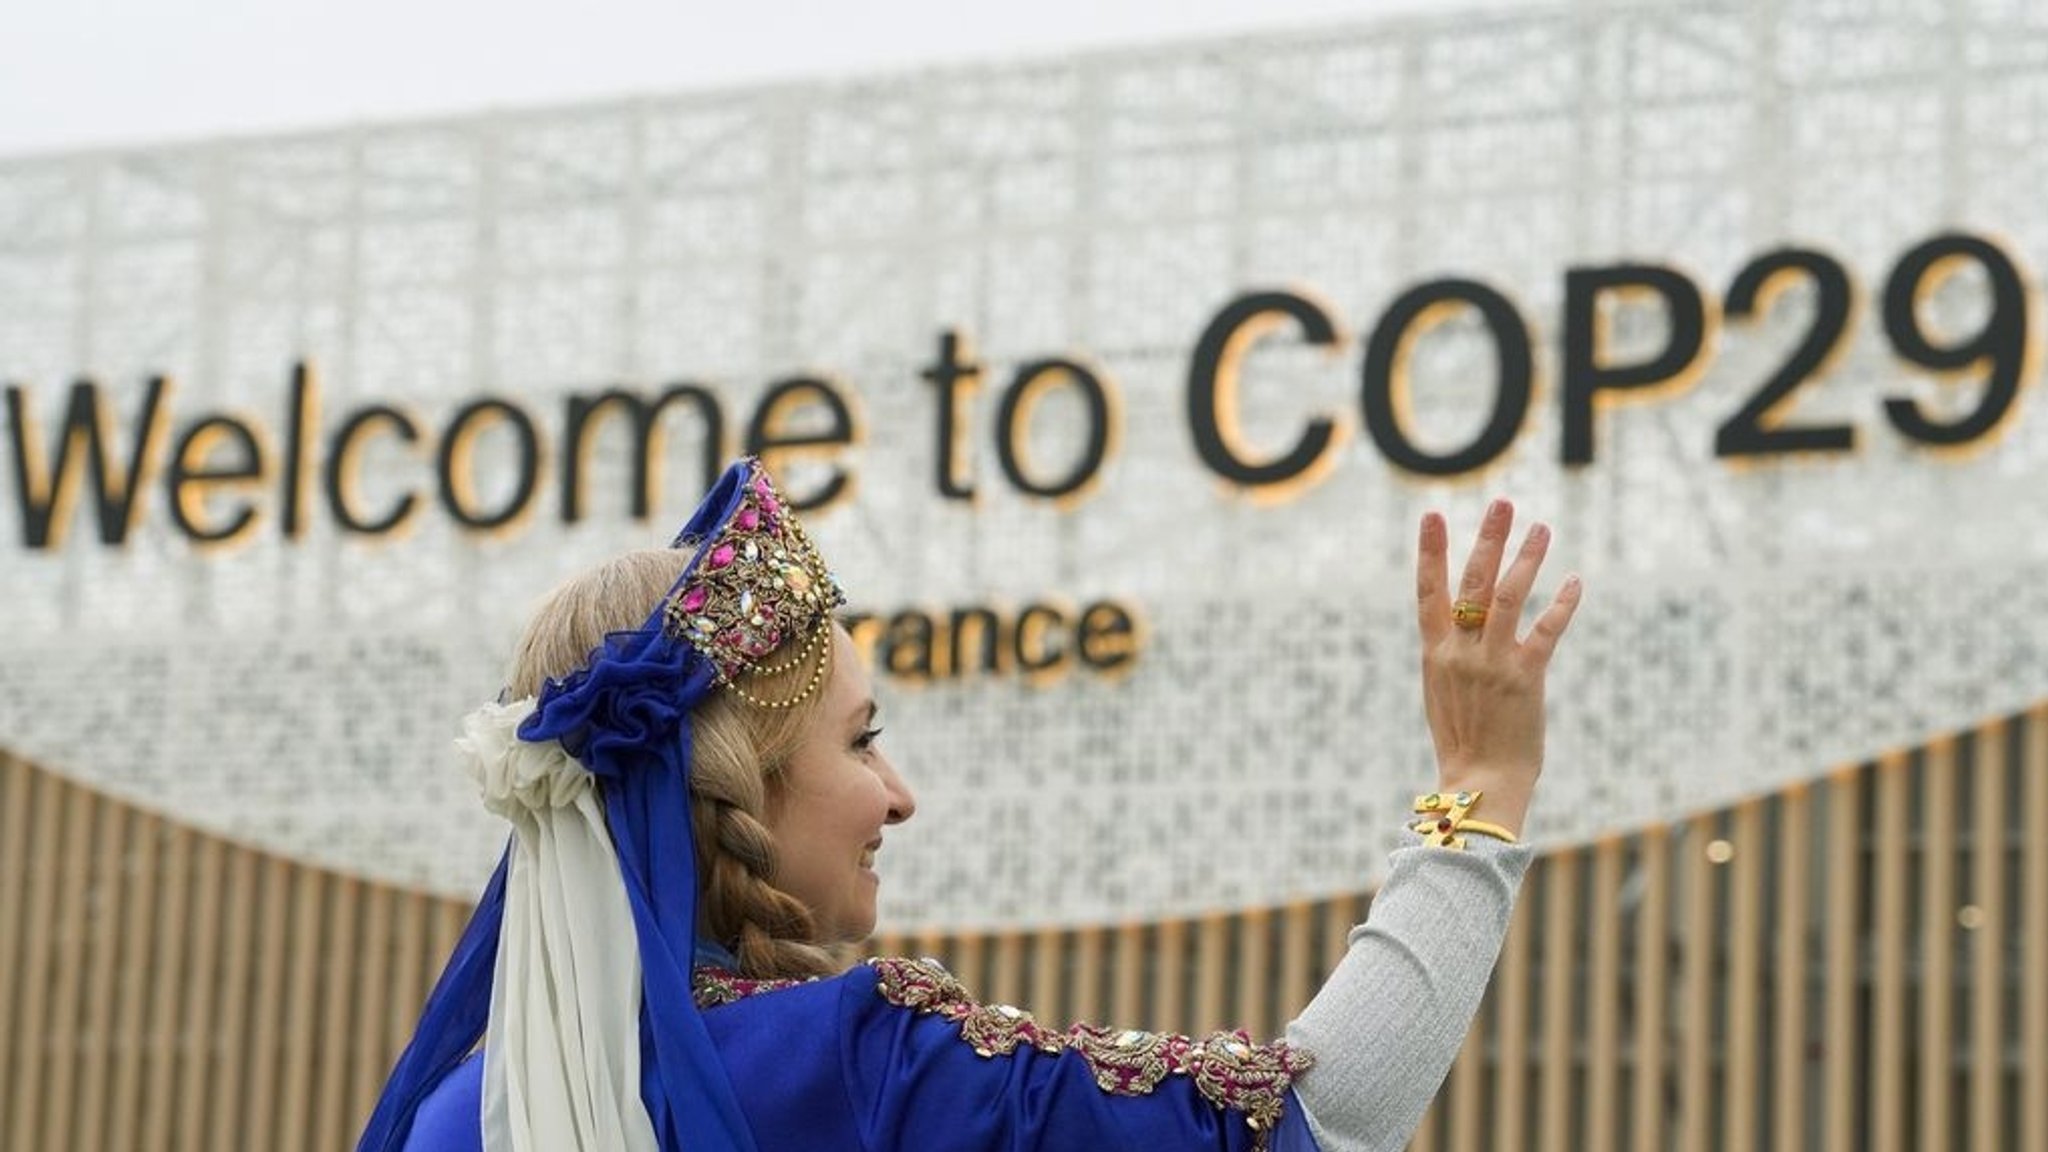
(1749, 623)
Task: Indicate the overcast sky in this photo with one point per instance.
(89, 73)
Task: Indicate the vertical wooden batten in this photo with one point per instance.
(1652, 992)
(1603, 991)
(1561, 958)
(1839, 1048)
(1789, 1010)
(1937, 929)
(1988, 1002)
(1887, 1049)
(1743, 874)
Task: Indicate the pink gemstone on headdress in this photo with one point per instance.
(760, 584)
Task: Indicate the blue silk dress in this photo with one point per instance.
(895, 1056)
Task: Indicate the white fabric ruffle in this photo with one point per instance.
(562, 1051)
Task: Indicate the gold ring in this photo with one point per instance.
(1468, 614)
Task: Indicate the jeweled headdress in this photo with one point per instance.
(591, 1045)
(757, 581)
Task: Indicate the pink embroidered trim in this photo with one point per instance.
(1227, 1068)
(715, 987)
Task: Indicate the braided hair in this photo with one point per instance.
(738, 754)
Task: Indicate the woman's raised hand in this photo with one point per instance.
(1482, 682)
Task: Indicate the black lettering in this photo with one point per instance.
(1035, 644)
(1013, 426)
(1043, 641)
(457, 465)
(2000, 349)
(908, 646)
(987, 631)
(1756, 430)
(650, 443)
(47, 493)
(1108, 636)
(1388, 388)
(957, 376)
(189, 481)
(1214, 377)
(1587, 378)
(768, 437)
(301, 427)
(344, 470)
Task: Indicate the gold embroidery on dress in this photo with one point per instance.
(714, 987)
(1125, 1061)
(1227, 1068)
(992, 1029)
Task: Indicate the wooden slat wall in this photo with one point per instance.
(164, 990)
(1859, 962)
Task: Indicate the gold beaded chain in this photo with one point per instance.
(823, 629)
(801, 657)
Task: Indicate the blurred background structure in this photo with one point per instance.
(1117, 380)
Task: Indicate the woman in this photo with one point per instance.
(697, 798)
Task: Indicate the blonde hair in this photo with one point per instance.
(738, 752)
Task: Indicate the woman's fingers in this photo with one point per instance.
(1432, 579)
(1556, 618)
(1500, 595)
(1504, 617)
(1483, 565)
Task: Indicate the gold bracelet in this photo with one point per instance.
(1452, 812)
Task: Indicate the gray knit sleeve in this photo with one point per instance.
(1386, 1026)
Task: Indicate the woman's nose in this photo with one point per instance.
(902, 802)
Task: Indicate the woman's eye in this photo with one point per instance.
(866, 740)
